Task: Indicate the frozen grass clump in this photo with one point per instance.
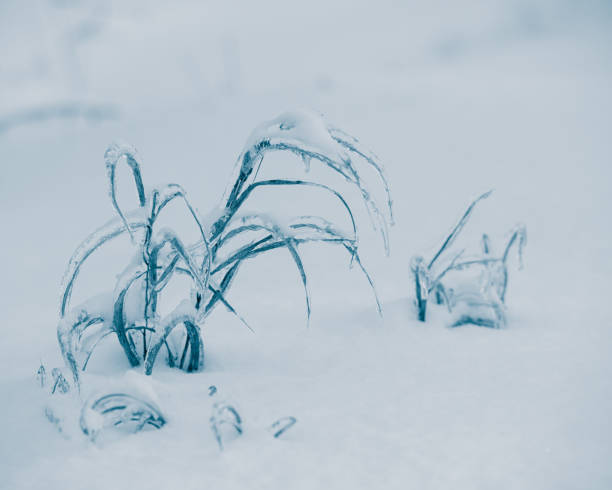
(129, 311)
(479, 298)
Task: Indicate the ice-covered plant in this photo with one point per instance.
(60, 384)
(224, 415)
(282, 425)
(478, 300)
(130, 311)
(118, 410)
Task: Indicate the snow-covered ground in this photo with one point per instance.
(455, 98)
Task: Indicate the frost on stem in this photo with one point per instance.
(477, 301)
(130, 312)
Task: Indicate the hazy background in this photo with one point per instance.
(454, 97)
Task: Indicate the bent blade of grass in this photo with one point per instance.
(346, 169)
(230, 308)
(223, 286)
(451, 266)
(217, 295)
(169, 237)
(351, 143)
(288, 183)
(69, 332)
(291, 246)
(322, 226)
(224, 414)
(282, 425)
(310, 138)
(89, 351)
(60, 383)
(93, 242)
(330, 236)
(260, 222)
(167, 273)
(518, 233)
(263, 245)
(173, 191)
(113, 154)
(356, 258)
(124, 283)
(458, 227)
(166, 327)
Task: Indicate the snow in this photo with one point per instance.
(454, 99)
(304, 128)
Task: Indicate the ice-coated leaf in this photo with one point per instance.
(224, 415)
(118, 410)
(55, 421)
(307, 135)
(282, 425)
(60, 384)
(113, 155)
(110, 230)
(75, 334)
(196, 358)
(41, 375)
(458, 227)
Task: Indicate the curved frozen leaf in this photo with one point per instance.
(110, 230)
(113, 155)
(196, 358)
(60, 383)
(458, 227)
(308, 136)
(224, 415)
(222, 225)
(165, 195)
(118, 410)
(76, 335)
(282, 425)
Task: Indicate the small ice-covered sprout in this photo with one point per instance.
(55, 421)
(486, 305)
(282, 425)
(60, 384)
(121, 411)
(224, 415)
(41, 375)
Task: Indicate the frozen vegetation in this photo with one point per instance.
(477, 299)
(130, 312)
(253, 277)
